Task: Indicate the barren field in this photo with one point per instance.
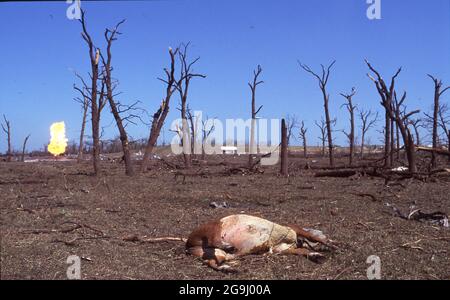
(50, 210)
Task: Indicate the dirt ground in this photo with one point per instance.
(45, 206)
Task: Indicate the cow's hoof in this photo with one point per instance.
(316, 257)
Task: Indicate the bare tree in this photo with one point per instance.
(178, 132)
(206, 132)
(24, 146)
(253, 85)
(303, 131)
(96, 107)
(387, 95)
(291, 124)
(351, 109)
(193, 125)
(438, 91)
(323, 80)
(402, 119)
(366, 123)
(182, 85)
(7, 129)
(416, 124)
(160, 115)
(116, 108)
(84, 105)
(444, 123)
(323, 132)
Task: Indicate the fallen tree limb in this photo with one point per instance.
(135, 238)
(435, 150)
(338, 173)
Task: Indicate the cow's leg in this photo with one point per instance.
(314, 256)
(312, 236)
(213, 257)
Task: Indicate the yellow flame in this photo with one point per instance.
(58, 141)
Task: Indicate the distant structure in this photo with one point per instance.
(229, 149)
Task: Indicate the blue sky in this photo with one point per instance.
(40, 48)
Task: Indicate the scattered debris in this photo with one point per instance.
(400, 169)
(435, 218)
(218, 205)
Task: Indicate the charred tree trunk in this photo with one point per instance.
(160, 116)
(95, 124)
(83, 126)
(363, 136)
(253, 85)
(416, 130)
(351, 136)
(303, 131)
(323, 80)
(186, 138)
(448, 143)
(401, 118)
(193, 124)
(24, 147)
(110, 36)
(437, 94)
(284, 149)
(386, 93)
(329, 136)
(435, 121)
(96, 107)
(392, 147)
(387, 141)
(411, 152)
(7, 129)
(323, 148)
(397, 140)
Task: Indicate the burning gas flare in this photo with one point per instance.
(58, 140)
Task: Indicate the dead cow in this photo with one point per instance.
(237, 235)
